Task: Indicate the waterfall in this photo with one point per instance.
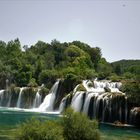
(1, 96)
(87, 101)
(19, 98)
(9, 101)
(37, 100)
(126, 110)
(76, 103)
(135, 116)
(120, 113)
(103, 101)
(48, 102)
(62, 104)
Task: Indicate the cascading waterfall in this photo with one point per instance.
(76, 103)
(1, 96)
(87, 101)
(126, 109)
(9, 101)
(135, 116)
(37, 100)
(62, 104)
(64, 101)
(48, 102)
(26, 97)
(19, 98)
(103, 101)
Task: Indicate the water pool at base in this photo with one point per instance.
(10, 118)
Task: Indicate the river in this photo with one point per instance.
(11, 117)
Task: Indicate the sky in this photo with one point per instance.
(112, 25)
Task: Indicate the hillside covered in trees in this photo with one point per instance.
(128, 68)
(72, 61)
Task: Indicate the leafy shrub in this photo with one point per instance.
(32, 83)
(132, 90)
(78, 127)
(37, 130)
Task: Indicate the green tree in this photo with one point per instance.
(13, 49)
(2, 50)
(39, 67)
(5, 74)
(77, 57)
(104, 69)
(58, 50)
(118, 70)
(48, 77)
(85, 47)
(49, 60)
(78, 127)
(95, 54)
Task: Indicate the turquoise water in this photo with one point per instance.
(13, 116)
(10, 118)
(109, 132)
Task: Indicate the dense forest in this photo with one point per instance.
(127, 68)
(45, 62)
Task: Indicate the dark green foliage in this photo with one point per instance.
(129, 69)
(5, 73)
(118, 70)
(78, 127)
(95, 54)
(132, 90)
(48, 77)
(104, 69)
(43, 92)
(13, 49)
(2, 50)
(32, 83)
(23, 78)
(70, 81)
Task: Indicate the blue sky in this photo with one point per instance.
(112, 25)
